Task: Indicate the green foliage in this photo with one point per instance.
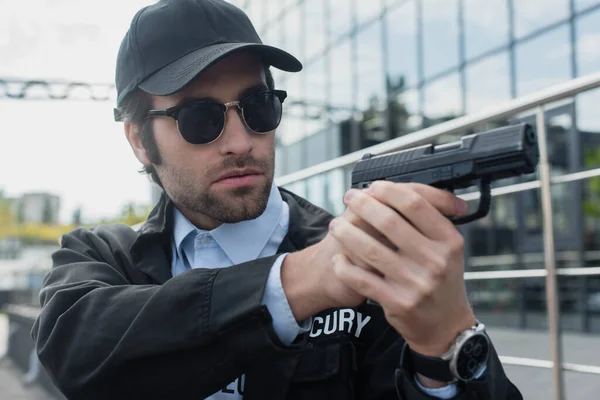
(132, 214)
(6, 214)
(591, 203)
(12, 226)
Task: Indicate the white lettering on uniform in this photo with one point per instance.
(361, 323)
(346, 315)
(330, 325)
(316, 333)
(232, 391)
(328, 330)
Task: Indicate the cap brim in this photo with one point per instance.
(182, 71)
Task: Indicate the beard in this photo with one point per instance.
(225, 206)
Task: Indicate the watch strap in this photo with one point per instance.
(432, 367)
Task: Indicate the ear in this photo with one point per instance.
(134, 137)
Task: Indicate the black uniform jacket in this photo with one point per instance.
(115, 324)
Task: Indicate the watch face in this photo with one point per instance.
(473, 354)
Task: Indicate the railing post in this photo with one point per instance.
(552, 303)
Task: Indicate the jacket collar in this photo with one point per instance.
(240, 241)
(151, 252)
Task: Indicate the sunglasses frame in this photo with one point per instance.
(173, 112)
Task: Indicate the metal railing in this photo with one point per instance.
(535, 101)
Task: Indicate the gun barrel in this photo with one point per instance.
(495, 154)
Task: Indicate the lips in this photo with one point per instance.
(238, 173)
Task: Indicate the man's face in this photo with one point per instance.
(192, 174)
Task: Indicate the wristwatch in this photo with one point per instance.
(464, 361)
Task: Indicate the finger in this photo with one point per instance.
(363, 282)
(369, 285)
(446, 202)
(426, 212)
(361, 264)
(390, 224)
(362, 224)
(361, 247)
(335, 247)
(422, 270)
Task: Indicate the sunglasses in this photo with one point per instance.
(203, 121)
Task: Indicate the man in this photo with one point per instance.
(236, 288)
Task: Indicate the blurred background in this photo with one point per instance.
(374, 71)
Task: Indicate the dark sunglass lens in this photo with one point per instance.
(201, 123)
(262, 112)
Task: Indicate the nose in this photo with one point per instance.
(235, 138)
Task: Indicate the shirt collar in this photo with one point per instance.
(241, 241)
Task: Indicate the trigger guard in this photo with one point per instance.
(483, 209)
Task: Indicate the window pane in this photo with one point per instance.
(296, 159)
(483, 91)
(369, 71)
(588, 124)
(559, 129)
(365, 10)
(291, 128)
(337, 181)
(340, 18)
(440, 35)
(543, 61)
(315, 82)
(583, 4)
(292, 31)
(532, 15)
(442, 100)
(486, 25)
(401, 26)
(317, 148)
(341, 75)
(280, 161)
(493, 234)
(403, 113)
(562, 210)
(315, 28)
(588, 117)
(591, 211)
(298, 188)
(316, 114)
(505, 216)
(588, 43)
(317, 190)
(316, 123)
(294, 87)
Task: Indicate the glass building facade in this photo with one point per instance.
(379, 69)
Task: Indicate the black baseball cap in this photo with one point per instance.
(170, 42)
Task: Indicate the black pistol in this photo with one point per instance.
(476, 159)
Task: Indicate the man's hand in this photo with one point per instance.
(309, 280)
(419, 279)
